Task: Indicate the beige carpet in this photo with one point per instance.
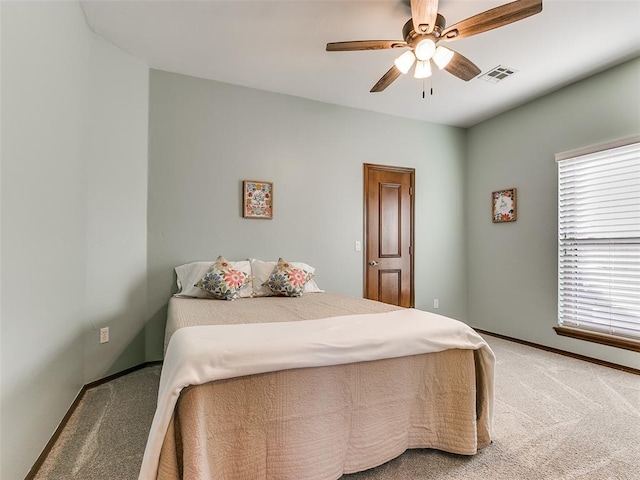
(556, 418)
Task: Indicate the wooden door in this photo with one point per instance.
(389, 251)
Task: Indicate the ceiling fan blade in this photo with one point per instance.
(494, 18)
(423, 15)
(386, 80)
(462, 67)
(365, 45)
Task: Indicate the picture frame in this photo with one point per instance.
(504, 206)
(257, 199)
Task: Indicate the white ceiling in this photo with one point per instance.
(279, 46)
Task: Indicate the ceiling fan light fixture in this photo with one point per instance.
(442, 57)
(425, 49)
(423, 69)
(405, 61)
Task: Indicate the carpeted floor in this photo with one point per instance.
(556, 418)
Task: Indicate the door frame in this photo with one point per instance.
(389, 168)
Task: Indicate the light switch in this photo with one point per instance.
(358, 246)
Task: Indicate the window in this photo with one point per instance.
(599, 244)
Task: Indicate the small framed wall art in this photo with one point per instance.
(257, 199)
(503, 206)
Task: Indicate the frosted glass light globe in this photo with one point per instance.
(442, 57)
(423, 69)
(425, 49)
(405, 61)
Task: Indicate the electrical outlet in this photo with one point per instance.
(436, 303)
(104, 335)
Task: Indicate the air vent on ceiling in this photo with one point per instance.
(498, 74)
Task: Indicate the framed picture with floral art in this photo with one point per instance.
(503, 206)
(257, 199)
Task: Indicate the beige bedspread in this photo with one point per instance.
(189, 312)
(318, 423)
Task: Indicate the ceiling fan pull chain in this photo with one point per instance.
(423, 88)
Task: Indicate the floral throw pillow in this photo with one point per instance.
(287, 280)
(223, 281)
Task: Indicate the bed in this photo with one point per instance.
(256, 414)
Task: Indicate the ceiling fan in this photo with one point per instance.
(426, 28)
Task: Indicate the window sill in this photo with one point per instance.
(602, 338)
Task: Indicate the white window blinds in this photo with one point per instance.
(599, 241)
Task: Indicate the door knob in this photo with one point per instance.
(373, 263)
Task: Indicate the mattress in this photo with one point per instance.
(318, 423)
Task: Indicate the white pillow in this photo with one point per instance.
(260, 271)
(190, 273)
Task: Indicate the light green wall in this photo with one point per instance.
(73, 199)
(512, 267)
(115, 142)
(205, 137)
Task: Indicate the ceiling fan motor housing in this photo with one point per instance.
(412, 38)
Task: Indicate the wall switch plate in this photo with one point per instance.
(436, 303)
(358, 246)
(104, 335)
